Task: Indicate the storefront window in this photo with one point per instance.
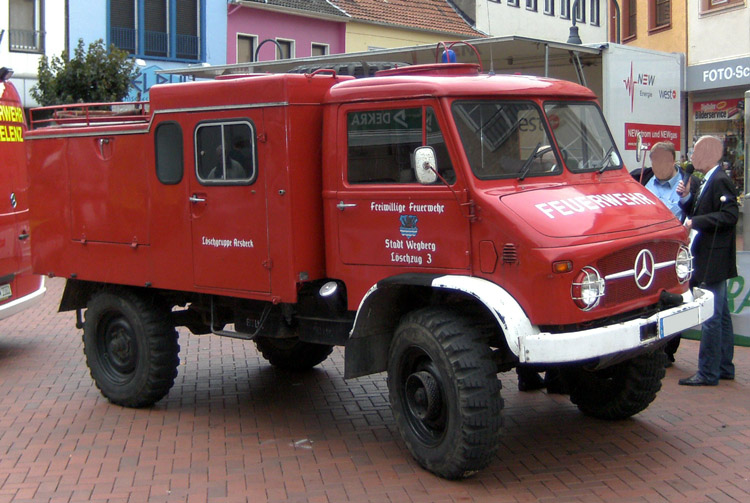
(724, 118)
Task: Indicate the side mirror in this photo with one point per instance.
(639, 147)
(425, 165)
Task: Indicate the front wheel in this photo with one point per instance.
(620, 391)
(131, 350)
(444, 392)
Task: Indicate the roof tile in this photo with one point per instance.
(432, 15)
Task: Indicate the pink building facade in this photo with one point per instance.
(299, 36)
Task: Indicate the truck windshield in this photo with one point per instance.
(582, 136)
(504, 139)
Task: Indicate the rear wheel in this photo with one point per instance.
(291, 353)
(620, 391)
(444, 392)
(131, 350)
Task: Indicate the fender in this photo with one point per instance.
(387, 301)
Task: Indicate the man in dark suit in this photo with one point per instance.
(713, 213)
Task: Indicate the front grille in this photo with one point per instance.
(624, 289)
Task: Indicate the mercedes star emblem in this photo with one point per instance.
(644, 269)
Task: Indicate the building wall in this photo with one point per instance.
(366, 36)
(718, 35)
(672, 39)
(504, 19)
(25, 65)
(265, 24)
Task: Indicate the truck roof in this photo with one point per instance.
(452, 79)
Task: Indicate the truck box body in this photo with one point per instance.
(253, 240)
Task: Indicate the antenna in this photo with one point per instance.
(489, 29)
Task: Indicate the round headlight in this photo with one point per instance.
(587, 288)
(683, 264)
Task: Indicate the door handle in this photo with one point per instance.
(342, 205)
(23, 235)
(195, 199)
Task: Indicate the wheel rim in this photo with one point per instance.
(422, 391)
(117, 346)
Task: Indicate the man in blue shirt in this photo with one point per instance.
(666, 177)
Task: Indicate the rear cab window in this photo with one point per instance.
(226, 153)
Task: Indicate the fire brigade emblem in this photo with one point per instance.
(408, 226)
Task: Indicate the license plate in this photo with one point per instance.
(5, 292)
(677, 322)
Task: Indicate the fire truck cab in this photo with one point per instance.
(19, 289)
(442, 224)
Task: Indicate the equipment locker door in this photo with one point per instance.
(385, 217)
(228, 205)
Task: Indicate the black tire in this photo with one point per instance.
(131, 348)
(292, 353)
(444, 392)
(620, 391)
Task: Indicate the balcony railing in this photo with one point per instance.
(123, 38)
(26, 40)
(156, 43)
(187, 47)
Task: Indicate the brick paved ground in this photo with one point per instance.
(234, 429)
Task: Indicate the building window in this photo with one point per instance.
(628, 19)
(711, 5)
(531, 5)
(549, 7)
(246, 46)
(319, 50)
(285, 49)
(595, 13)
(512, 3)
(565, 9)
(25, 26)
(660, 14)
(580, 11)
(164, 29)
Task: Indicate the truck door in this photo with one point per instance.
(385, 217)
(228, 205)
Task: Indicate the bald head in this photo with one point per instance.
(707, 153)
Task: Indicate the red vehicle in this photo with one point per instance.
(19, 289)
(442, 224)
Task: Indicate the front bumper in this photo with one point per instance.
(627, 337)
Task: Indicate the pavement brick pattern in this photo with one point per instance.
(234, 429)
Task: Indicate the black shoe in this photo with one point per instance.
(530, 382)
(726, 377)
(696, 380)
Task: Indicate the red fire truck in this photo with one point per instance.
(19, 289)
(442, 224)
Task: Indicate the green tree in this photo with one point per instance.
(96, 75)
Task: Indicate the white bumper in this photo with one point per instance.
(25, 302)
(546, 347)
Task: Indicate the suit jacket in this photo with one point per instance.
(715, 246)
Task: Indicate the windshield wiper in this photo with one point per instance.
(527, 165)
(607, 161)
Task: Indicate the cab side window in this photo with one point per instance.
(225, 153)
(381, 143)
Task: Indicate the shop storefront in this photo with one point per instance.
(716, 101)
